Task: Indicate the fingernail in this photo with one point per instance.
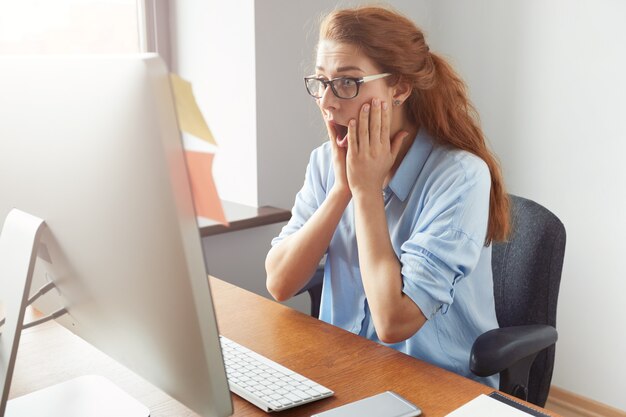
(375, 102)
(384, 105)
(366, 108)
(352, 123)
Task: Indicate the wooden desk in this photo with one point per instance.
(350, 365)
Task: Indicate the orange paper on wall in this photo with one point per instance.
(205, 198)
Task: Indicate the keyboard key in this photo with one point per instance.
(265, 383)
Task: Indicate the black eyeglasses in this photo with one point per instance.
(342, 87)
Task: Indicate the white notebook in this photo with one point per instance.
(485, 406)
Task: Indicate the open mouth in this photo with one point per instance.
(342, 134)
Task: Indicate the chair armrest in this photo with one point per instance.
(499, 349)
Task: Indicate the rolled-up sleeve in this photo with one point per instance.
(310, 196)
(446, 242)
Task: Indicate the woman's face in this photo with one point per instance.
(344, 60)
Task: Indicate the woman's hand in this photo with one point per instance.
(339, 160)
(371, 152)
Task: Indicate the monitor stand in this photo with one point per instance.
(84, 396)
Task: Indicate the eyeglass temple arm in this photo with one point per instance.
(374, 77)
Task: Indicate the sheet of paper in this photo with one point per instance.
(485, 406)
(200, 147)
(205, 198)
(189, 116)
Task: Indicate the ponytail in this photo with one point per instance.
(445, 111)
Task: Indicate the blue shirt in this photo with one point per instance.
(437, 208)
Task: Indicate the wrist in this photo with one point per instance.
(367, 190)
(370, 194)
(340, 193)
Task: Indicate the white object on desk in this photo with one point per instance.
(385, 404)
(485, 406)
(265, 383)
(90, 395)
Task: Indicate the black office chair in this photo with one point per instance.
(526, 275)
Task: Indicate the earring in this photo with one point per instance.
(397, 102)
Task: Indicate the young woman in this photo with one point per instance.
(404, 198)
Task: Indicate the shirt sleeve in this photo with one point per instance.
(312, 193)
(449, 234)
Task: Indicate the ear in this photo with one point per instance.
(401, 91)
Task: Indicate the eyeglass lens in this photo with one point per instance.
(342, 87)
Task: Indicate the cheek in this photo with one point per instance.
(354, 108)
(383, 94)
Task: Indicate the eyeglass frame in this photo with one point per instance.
(357, 80)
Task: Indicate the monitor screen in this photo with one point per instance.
(91, 145)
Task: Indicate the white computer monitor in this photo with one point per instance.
(91, 145)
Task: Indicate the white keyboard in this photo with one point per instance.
(264, 383)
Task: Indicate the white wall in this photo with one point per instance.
(213, 47)
(287, 120)
(547, 79)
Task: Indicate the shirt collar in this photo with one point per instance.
(412, 164)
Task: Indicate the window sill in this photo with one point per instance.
(242, 217)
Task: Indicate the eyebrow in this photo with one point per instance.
(343, 69)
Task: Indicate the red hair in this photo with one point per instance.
(438, 101)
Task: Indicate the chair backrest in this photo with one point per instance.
(527, 274)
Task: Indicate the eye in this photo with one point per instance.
(347, 83)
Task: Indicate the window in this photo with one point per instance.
(70, 26)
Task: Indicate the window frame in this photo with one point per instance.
(154, 28)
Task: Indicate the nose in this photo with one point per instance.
(328, 99)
